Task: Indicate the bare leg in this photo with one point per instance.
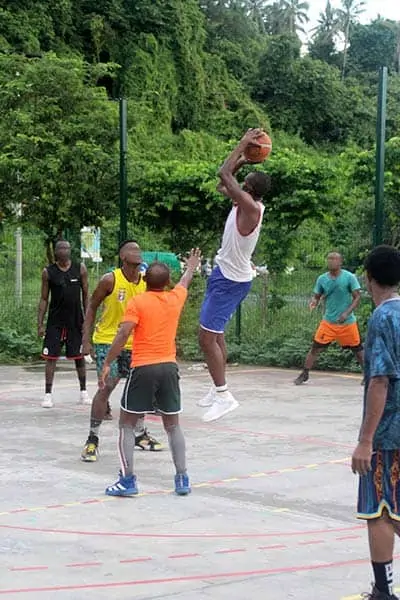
(99, 405)
(309, 363)
(50, 369)
(312, 357)
(221, 343)
(80, 366)
(359, 355)
(215, 356)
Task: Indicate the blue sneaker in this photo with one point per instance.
(182, 485)
(125, 486)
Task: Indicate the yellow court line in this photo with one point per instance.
(204, 484)
(359, 597)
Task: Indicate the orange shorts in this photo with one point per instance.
(347, 336)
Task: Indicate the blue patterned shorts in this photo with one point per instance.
(379, 489)
(119, 368)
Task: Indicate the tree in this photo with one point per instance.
(394, 27)
(58, 139)
(294, 14)
(348, 15)
(372, 46)
(323, 46)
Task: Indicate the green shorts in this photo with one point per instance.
(153, 388)
(119, 368)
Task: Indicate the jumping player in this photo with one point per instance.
(230, 281)
(153, 383)
(377, 456)
(341, 292)
(113, 292)
(67, 285)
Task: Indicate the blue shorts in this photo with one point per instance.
(379, 489)
(222, 298)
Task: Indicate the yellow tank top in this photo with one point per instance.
(114, 306)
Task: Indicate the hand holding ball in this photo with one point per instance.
(259, 151)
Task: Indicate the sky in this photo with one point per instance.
(386, 8)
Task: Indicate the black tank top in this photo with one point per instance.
(65, 296)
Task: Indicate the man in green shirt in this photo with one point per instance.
(340, 291)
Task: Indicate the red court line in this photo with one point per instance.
(84, 565)
(44, 568)
(273, 547)
(206, 576)
(189, 555)
(182, 535)
(232, 551)
(134, 560)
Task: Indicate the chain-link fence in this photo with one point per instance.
(274, 325)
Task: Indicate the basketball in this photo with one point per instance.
(257, 154)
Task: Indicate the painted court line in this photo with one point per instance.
(182, 556)
(182, 579)
(179, 536)
(359, 596)
(204, 484)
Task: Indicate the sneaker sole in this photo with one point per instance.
(149, 449)
(183, 493)
(222, 414)
(203, 405)
(89, 459)
(123, 494)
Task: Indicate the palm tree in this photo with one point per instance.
(295, 15)
(255, 9)
(328, 23)
(348, 15)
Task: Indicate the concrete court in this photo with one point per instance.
(271, 514)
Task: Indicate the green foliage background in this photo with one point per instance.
(196, 75)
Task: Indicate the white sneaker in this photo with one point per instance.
(209, 399)
(84, 398)
(47, 401)
(224, 403)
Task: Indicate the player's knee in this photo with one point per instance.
(170, 422)
(207, 339)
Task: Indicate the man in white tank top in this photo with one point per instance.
(230, 281)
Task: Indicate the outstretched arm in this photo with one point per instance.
(192, 264)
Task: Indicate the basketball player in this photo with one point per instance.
(230, 281)
(113, 291)
(67, 284)
(153, 383)
(377, 456)
(341, 292)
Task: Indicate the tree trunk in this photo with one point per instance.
(346, 44)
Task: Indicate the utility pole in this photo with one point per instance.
(123, 171)
(380, 157)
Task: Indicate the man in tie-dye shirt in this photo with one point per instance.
(377, 456)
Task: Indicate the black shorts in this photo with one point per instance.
(153, 388)
(56, 337)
